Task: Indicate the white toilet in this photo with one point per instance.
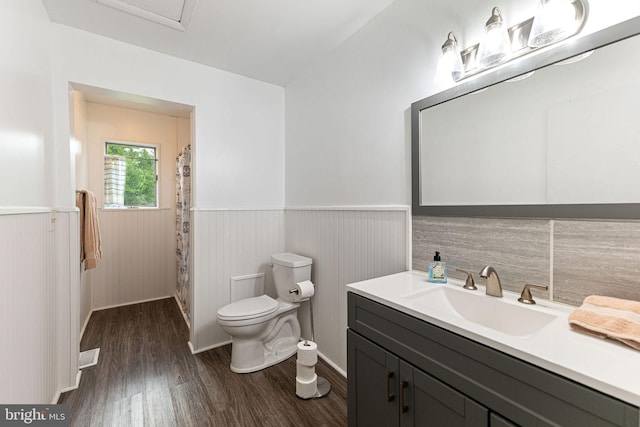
(266, 331)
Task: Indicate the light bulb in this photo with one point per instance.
(555, 20)
(495, 49)
(451, 62)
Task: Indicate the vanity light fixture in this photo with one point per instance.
(495, 49)
(451, 61)
(555, 20)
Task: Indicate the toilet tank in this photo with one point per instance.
(289, 269)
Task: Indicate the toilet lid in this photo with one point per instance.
(248, 308)
(291, 260)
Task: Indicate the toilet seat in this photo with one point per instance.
(247, 309)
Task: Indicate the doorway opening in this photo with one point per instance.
(117, 139)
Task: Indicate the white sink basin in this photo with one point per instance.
(491, 312)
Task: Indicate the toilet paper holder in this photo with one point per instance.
(322, 384)
(297, 292)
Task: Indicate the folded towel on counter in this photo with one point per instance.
(609, 317)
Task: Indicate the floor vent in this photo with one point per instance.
(89, 358)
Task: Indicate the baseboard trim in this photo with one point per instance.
(333, 365)
(210, 347)
(131, 303)
(184, 315)
(402, 208)
(322, 356)
(84, 327)
(66, 389)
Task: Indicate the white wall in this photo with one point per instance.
(184, 133)
(347, 121)
(80, 158)
(239, 122)
(79, 148)
(26, 144)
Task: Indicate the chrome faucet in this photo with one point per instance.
(494, 288)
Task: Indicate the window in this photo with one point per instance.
(130, 175)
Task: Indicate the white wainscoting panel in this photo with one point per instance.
(346, 245)
(86, 297)
(228, 243)
(67, 255)
(138, 257)
(27, 309)
(247, 286)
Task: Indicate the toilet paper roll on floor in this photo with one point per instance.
(307, 389)
(305, 290)
(307, 353)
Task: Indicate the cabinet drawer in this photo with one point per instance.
(521, 392)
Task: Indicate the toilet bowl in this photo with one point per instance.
(265, 331)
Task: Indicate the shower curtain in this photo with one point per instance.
(115, 174)
(183, 202)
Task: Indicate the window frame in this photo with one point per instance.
(156, 148)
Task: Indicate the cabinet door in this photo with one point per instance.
(429, 402)
(372, 384)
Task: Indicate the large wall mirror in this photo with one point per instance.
(563, 142)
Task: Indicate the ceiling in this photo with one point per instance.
(270, 40)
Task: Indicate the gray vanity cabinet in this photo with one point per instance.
(403, 371)
(390, 392)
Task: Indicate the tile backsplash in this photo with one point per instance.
(575, 258)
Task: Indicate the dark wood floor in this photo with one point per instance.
(146, 376)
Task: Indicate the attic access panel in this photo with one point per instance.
(176, 14)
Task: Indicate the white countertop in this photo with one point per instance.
(605, 365)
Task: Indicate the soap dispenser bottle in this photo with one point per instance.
(437, 270)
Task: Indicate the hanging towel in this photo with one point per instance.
(90, 243)
(609, 317)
